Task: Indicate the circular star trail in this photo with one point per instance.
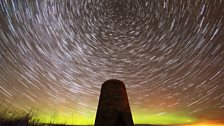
(54, 55)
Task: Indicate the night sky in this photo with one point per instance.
(55, 55)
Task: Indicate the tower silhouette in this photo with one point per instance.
(113, 108)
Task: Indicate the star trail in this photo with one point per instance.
(55, 55)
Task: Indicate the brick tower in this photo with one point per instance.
(113, 108)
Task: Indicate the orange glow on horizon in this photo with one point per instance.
(207, 123)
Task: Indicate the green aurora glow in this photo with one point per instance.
(139, 118)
